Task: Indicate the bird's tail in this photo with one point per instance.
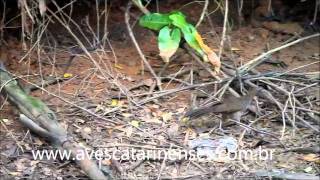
(196, 113)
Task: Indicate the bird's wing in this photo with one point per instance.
(196, 113)
(226, 108)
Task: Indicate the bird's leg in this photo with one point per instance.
(220, 125)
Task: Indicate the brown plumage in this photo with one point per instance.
(230, 107)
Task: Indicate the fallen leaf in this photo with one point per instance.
(180, 110)
(135, 123)
(118, 66)
(184, 120)
(308, 169)
(67, 75)
(129, 131)
(235, 49)
(153, 120)
(166, 116)
(6, 121)
(114, 102)
(85, 133)
(100, 107)
(87, 130)
(173, 130)
(311, 157)
(126, 115)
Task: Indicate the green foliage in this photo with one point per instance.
(168, 42)
(170, 27)
(189, 34)
(155, 21)
(178, 19)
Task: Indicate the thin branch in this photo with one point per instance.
(258, 60)
(127, 19)
(204, 11)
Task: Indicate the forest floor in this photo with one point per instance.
(156, 125)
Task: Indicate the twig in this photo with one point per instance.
(127, 19)
(232, 91)
(256, 130)
(256, 61)
(224, 28)
(178, 90)
(204, 11)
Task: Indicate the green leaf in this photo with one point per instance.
(178, 19)
(155, 21)
(168, 42)
(189, 32)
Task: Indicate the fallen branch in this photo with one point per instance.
(36, 116)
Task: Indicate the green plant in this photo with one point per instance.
(170, 26)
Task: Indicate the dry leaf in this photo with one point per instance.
(126, 115)
(114, 103)
(67, 75)
(118, 66)
(311, 158)
(87, 130)
(214, 60)
(148, 82)
(166, 116)
(180, 110)
(211, 55)
(135, 123)
(129, 131)
(308, 169)
(6, 121)
(173, 130)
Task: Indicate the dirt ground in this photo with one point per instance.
(157, 124)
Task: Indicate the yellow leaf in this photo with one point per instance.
(67, 75)
(203, 46)
(118, 66)
(211, 55)
(235, 49)
(185, 119)
(135, 123)
(114, 103)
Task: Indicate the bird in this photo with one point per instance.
(230, 107)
